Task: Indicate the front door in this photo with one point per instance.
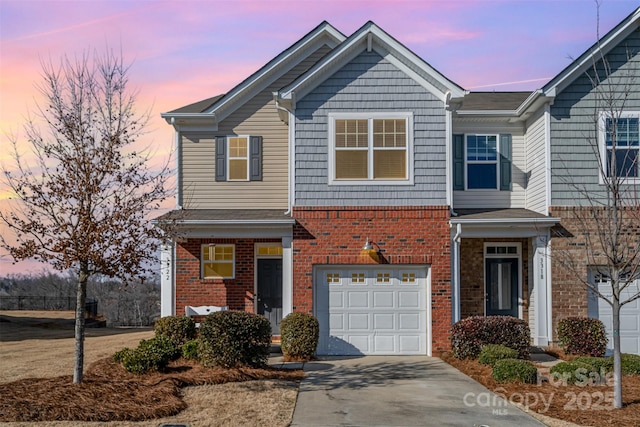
(270, 292)
(501, 286)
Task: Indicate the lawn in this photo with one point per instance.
(36, 363)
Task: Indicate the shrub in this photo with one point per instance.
(573, 372)
(514, 370)
(582, 335)
(190, 350)
(234, 338)
(630, 363)
(597, 363)
(491, 353)
(152, 354)
(299, 334)
(469, 335)
(179, 329)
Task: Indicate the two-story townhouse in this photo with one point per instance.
(595, 94)
(234, 244)
(350, 179)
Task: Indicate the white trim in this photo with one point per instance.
(245, 158)
(409, 166)
(216, 245)
(547, 155)
(292, 160)
(518, 256)
(179, 202)
(167, 280)
(603, 149)
(287, 275)
(448, 156)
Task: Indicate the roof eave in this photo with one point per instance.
(546, 221)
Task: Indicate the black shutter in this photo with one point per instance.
(255, 158)
(505, 162)
(221, 158)
(458, 162)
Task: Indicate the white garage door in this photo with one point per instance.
(629, 316)
(372, 310)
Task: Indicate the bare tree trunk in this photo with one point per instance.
(81, 298)
(617, 368)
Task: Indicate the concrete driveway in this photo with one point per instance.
(398, 391)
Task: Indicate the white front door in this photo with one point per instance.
(373, 310)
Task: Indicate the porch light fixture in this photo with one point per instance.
(369, 253)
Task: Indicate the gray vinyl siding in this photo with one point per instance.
(573, 130)
(476, 199)
(369, 83)
(536, 167)
(256, 117)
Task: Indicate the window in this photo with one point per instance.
(218, 261)
(622, 145)
(373, 147)
(482, 162)
(238, 158)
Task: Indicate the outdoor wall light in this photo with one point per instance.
(369, 253)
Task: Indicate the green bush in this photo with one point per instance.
(573, 372)
(299, 333)
(630, 363)
(234, 338)
(582, 335)
(514, 370)
(151, 355)
(179, 329)
(469, 335)
(190, 350)
(597, 363)
(491, 353)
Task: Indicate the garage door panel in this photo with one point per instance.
(629, 317)
(358, 299)
(358, 321)
(383, 299)
(384, 321)
(409, 343)
(377, 310)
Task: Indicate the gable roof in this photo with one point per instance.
(222, 106)
(493, 101)
(370, 37)
(593, 54)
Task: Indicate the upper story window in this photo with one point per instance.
(482, 162)
(218, 261)
(238, 158)
(370, 148)
(622, 145)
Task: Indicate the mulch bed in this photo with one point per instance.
(110, 393)
(585, 405)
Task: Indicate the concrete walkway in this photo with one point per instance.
(398, 391)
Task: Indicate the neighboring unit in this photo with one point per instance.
(350, 179)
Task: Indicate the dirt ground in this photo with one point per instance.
(36, 344)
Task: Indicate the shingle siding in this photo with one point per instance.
(573, 129)
(473, 199)
(369, 83)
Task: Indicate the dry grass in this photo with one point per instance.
(582, 405)
(36, 350)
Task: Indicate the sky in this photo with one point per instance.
(184, 51)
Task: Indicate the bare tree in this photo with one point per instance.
(84, 202)
(604, 233)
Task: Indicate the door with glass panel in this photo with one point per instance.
(501, 283)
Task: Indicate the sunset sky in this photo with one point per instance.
(184, 51)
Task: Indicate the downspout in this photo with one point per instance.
(448, 124)
(178, 164)
(456, 273)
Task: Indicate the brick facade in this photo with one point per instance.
(236, 293)
(405, 235)
(472, 272)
